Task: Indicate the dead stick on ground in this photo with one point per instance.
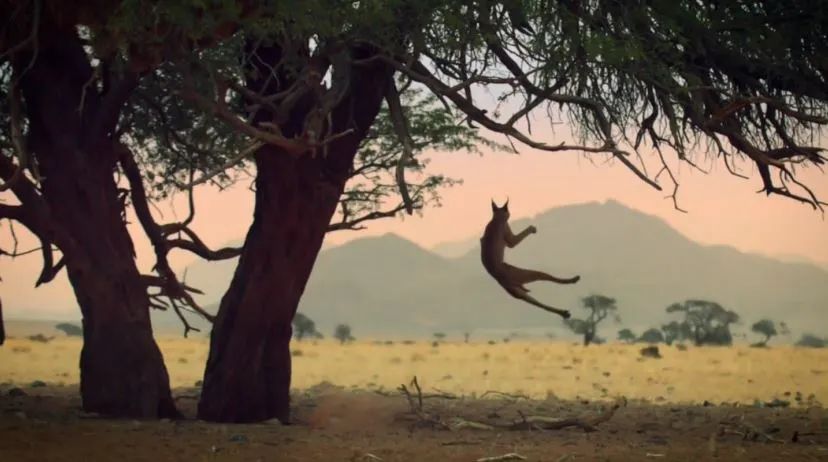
(504, 457)
(531, 422)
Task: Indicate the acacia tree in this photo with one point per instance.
(599, 307)
(651, 336)
(676, 331)
(304, 326)
(707, 323)
(626, 335)
(605, 67)
(767, 328)
(59, 154)
(124, 141)
(343, 334)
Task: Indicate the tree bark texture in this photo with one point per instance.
(248, 372)
(71, 136)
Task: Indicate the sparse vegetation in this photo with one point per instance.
(599, 307)
(304, 327)
(811, 341)
(342, 332)
(71, 330)
(439, 336)
(651, 336)
(767, 328)
(626, 335)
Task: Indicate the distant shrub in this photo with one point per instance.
(626, 335)
(811, 341)
(71, 330)
(40, 338)
(650, 352)
(651, 336)
(343, 333)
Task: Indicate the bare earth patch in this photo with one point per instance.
(337, 425)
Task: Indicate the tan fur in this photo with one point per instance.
(497, 236)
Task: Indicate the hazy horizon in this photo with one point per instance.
(722, 210)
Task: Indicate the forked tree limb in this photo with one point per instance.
(168, 282)
(400, 123)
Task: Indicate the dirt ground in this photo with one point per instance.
(333, 424)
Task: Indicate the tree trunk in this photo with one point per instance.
(2, 327)
(247, 377)
(122, 370)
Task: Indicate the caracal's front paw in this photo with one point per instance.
(565, 314)
(532, 229)
(575, 279)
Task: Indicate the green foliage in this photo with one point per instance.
(71, 330)
(705, 322)
(342, 332)
(812, 341)
(651, 336)
(599, 307)
(440, 336)
(304, 327)
(676, 332)
(767, 328)
(626, 335)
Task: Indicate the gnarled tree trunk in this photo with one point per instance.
(70, 134)
(247, 377)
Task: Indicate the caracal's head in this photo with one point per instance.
(500, 213)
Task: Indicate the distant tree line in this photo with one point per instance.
(708, 323)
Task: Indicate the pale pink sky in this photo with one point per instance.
(722, 210)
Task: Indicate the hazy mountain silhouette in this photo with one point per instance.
(388, 286)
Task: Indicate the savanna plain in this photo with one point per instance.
(693, 403)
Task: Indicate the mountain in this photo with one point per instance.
(388, 286)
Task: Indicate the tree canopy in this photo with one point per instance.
(705, 322)
(599, 307)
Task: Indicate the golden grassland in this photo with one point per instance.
(534, 368)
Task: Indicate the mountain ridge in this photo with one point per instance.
(389, 286)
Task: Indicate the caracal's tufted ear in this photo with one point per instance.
(494, 206)
(506, 205)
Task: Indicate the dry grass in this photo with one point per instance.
(536, 369)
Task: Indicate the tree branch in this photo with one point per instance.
(171, 288)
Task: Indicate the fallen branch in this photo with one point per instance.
(588, 423)
(504, 457)
(748, 432)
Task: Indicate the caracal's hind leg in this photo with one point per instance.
(522, 294)
(525, 276)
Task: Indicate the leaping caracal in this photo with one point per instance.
(493, 244)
